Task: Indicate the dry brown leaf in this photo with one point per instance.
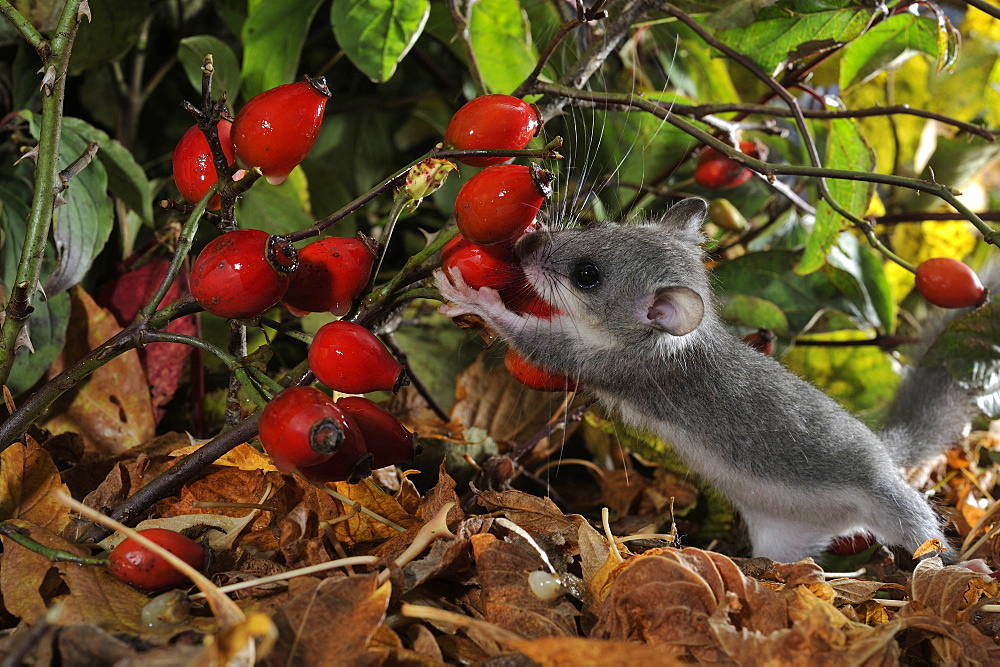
(331, 624)
(954, 643)
(25, 588)
(27, 477)
(489, 398)
(856, 591)
(577, 652)
(360, 527)
(244, 456)
(539, 516)
(300, 541)
(508, 601)
(112, 408)
(950, 592)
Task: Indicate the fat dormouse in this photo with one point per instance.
(640, 331)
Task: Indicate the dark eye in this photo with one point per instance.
(586, 275)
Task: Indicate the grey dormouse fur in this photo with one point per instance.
(641, 333)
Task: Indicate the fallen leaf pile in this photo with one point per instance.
(459, 566)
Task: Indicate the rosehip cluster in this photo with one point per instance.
(332, 441)
(273, 132)
(496, 207)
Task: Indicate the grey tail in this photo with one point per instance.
(931, 411)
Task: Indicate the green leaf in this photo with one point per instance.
(861, 263)
(845, 149)
(276, 209)
(126, 178)
(15, 206)
(770, 276)
(81, 226)
(47, 331)
(969, 348)
(887, 46)
(273, 36)
(110, 34)
(754, 313)
(191, 53)
(377, 34)
(792, 31)
(501, 41)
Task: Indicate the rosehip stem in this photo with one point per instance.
(16, 534)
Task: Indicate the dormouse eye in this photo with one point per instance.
(586, 275)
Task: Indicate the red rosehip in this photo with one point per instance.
(276, 129)
(138, 566)
(718, 171)
(233, 278)
(386, 439)
(497, 204)
(534, 376)
(849, 545)
(949, 283)
(332, 273)
(302, 426)
(492, 121)
(522, 298)
(348, 357)
(761, 340)
(194, 169)
(481, 266)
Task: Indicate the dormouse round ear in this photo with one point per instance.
(685, 218)
(677, 310)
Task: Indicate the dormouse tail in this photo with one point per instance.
(931, 411)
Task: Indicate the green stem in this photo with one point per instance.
(768, 169)
(46, 178)
(14, 534)
(414, 264)
(233, 363)
(25, 29)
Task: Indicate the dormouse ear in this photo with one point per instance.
(685, 217)
(677, 310)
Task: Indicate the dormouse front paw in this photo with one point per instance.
(465, 300)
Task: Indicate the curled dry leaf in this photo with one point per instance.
(27, 476)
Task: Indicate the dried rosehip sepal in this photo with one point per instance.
(194, 168)
(139, 567)
(761, 340)
(332, 273)
(388, 441)
(534, 376)
(351, 463)
(232, 278)
(349, 358)
(719, 171)
(276, 129)
(949, 283)
(492, 266)
(497, 204)
(301, 426)
(492, 121)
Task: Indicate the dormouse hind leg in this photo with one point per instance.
(782, 540)
(900, 516)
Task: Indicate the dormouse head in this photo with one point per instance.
(634, 281)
